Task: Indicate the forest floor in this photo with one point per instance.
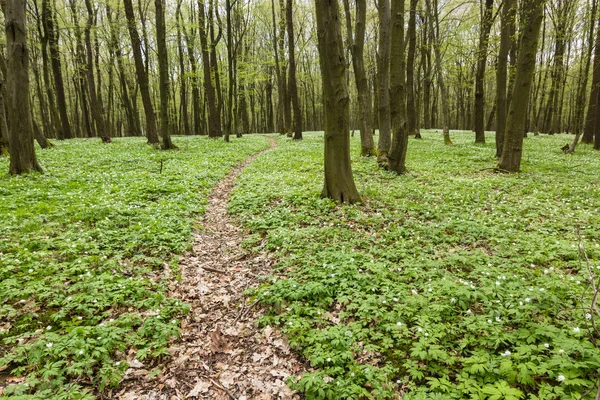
(132, 273)
(222, 353)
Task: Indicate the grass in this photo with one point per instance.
(87, 251)
(449, 282)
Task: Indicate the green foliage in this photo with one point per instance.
(87, 251)
(450, 282)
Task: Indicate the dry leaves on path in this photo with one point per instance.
(221, 354)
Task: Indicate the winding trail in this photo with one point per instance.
(221, 353)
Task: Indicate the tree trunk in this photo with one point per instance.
(183, 96)
(163, 72)
(53, 39)
(339, 183)
(214, 123)
(22, 150)
(434, 27)
(508, 15)
(397, 158)
(591, 119)
(293, 85)
(95, 104)
(383, 75)
(357, 45)
(142, 74)
(484, 35)
(532, 15)
(411, 113)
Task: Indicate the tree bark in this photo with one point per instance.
(434, 27)
(508, 15)
(293, 84)
(163, 72)
(53, 39)
(357, 44)
(383, 79)
(397, 157)
(591, 119)
(484, 35)
(532, 15)
(214, 123)
(21, 147)
(339, 183)
(142, 74)
(411, 112)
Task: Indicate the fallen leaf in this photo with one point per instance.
(200, 387)
(226, 378)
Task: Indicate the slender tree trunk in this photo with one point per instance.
(591, 119)
(183, 96)
(508, 14)
(53, 40)
(411, 113)
(383, 74)
(4, 132)
(532, 13)
(142, 74)
(22, 150)
(357, 45)
(339, 183)
(163, 67)
(484, 35)
(397, 158)
(293, 85)
(214, 123)
(434, 28)
(95, 104)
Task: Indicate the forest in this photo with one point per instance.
(290, 199)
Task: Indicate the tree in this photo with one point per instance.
(142, 74)
(412, 116)
(163, 66)
(506, 19)
(383, 81)
(434, 29)
(532, 13)
(356, 43)
(20, 128)
(484, 34)
(293, 84)
(397, 158)
(339, 182)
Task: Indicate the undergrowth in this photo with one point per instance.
(87, 250)
(450, 282)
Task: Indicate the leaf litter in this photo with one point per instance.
(221, 354)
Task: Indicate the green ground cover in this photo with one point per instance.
(86, 252)
(450, 282)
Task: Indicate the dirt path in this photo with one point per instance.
(221, 353)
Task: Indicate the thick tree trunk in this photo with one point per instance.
(142, 74)
(293, 84)
(163, 72)
(357, 45)
(22, 150)
(339, 183)
(532, 14)
(397, 157)
(484, 35)
(508, 14)
(383, 79)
